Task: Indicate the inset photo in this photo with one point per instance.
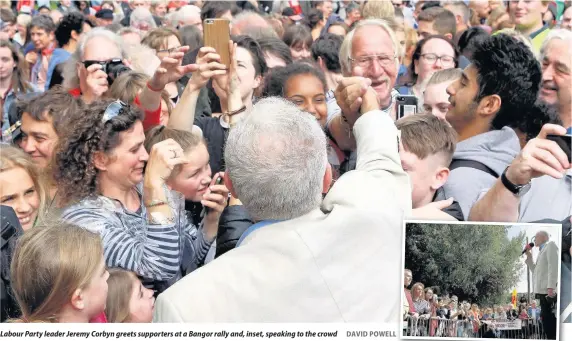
(481, 280)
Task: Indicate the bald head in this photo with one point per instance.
(541, 238)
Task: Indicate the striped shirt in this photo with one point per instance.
(159, 254)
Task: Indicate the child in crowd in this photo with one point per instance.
(128, 301)
(58, 274)
(426, 149)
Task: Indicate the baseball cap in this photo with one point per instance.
(105, 13)
(291, 14)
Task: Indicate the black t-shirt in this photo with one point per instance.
(216, 135)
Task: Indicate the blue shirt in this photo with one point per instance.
(255, 227)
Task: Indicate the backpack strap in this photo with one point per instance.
(457, 163)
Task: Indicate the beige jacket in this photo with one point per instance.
(545, 271)
(339, 263)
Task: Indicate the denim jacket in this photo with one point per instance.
(58, 56)
(159, 254)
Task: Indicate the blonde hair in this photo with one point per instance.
(120, 287)
(158, 37)
(23, 19)
(50, 263)
(142, 58)
(443, 76)
(346, 48)
(378, 9)
(415, 286)
(411, 40)
(494, 16)
(12, 157)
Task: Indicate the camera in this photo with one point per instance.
(113, 68)
(11, 231)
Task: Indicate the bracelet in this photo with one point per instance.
(154, 90)
(232, 113)
(155, 203)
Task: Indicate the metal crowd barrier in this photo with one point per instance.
(500, 329)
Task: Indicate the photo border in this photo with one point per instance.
(402, 281)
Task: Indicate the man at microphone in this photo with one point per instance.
(545, 279)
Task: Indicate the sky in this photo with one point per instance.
(553, 230)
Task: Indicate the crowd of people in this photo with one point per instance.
(248, 191)
(426, 314)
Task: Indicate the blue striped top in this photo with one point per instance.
(159, 254)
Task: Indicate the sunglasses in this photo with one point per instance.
(112, 110)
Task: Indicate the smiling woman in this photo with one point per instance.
(20, 185)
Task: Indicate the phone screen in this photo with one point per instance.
(564, 142)
(406, 105)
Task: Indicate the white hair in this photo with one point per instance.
(276, 159)
(346, 48)
(181, 15)
(247, 17)
(142, 14)
(559, 33)
(143, 59)
(71, 78)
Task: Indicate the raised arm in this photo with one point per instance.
(379, 178)
(539, 157)
(207, 66)
(169, 71)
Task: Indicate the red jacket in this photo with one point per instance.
(152, 118)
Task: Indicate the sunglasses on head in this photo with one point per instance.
(112, 110)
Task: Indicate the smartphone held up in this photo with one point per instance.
(216, 34)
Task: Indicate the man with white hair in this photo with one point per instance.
(545, 280)
(189, 15)
(370, 55)
(87, 72)
(306, 259)
(251, 24)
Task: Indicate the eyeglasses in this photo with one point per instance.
(171, 50)
(432, 58)
(367, 61)
(112, 110)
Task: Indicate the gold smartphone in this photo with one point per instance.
(216, 34)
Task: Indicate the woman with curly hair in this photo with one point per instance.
(99, 170)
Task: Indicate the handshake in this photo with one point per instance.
(355, 96)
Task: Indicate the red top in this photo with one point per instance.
(152, 118)
(101, 318)
(409, 301)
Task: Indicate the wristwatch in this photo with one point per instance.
(518, 190)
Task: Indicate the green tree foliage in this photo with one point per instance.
(475, 262)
